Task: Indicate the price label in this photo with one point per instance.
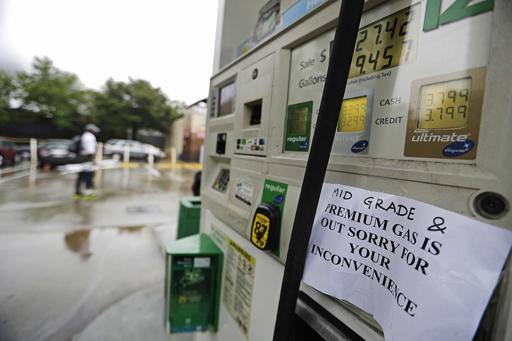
(260, 231)
(444, 105)
(387, 43)
(352, 115)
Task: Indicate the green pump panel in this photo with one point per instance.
(192, 285)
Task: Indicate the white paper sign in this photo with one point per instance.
(425, 273)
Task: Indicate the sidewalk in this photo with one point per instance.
(140, 315)
(137, 317)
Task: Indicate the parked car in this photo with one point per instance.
(23, 150)
(7, 153)
(55, 153)
(138, 150)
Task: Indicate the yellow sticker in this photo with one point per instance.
(259, 235)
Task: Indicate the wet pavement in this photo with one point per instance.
(63, 262)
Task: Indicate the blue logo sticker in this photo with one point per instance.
(360, 146)
(303, 145)
(278, 199)
(458, 148)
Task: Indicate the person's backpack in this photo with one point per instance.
(76, 145)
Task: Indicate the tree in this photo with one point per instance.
(51, 93)
(123, 107)
(7, 87)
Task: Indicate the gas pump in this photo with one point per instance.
(424, 116)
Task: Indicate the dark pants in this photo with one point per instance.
(84, 176)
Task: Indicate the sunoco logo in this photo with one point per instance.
(360, 146)
(458, 148)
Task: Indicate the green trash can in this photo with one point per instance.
(189, 216)
(192, 285)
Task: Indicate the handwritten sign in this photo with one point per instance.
(425, 273)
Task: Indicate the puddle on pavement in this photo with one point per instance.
(131, 229)
(78, 242)
(143, 209)
(20, 205)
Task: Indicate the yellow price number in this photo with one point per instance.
(259, 235)
(352, 115)
(387, 43)
(444, 105)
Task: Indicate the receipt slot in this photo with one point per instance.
(192, 285)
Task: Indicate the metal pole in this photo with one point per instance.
(332, 98)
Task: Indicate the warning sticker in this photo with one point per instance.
(238, 285)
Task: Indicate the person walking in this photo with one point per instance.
(87, 152)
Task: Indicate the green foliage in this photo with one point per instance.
(50, 93)
(6, 89)
(123, 107)
(56, 98)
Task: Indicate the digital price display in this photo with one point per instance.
(227, 99)
(387, 43)
(444, 115)
(298, 127)
(299, 119)
(352, 115)
(354, 123)
(444, 105)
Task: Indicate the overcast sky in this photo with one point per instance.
(166, 42)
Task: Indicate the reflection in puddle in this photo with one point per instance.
(78, 241)
(130, 229)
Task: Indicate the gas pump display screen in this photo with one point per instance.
(227, 99)
(387, 43)
(444, 105)
(352, 115)
(444, 115)
(299, 120)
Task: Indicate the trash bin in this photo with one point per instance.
(192, 285)
(189, 216)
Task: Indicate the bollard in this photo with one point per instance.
(99, 158)
(173, 155)
(151, 159)
(201, 154)
(126, 156)
(33, 151)
(99, 152)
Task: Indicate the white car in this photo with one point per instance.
(137, 149)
